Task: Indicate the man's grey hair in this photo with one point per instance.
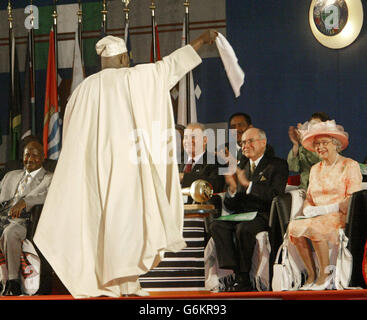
(195, 125)
(262, 134)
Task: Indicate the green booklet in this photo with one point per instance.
(245, 216)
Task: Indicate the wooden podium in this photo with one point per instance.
(198, 210)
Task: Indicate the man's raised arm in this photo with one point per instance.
(207, 36)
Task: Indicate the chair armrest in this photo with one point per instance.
(32, 226)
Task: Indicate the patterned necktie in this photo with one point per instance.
(252, 169)
(21, 187)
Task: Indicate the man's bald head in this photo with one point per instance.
(253, 143)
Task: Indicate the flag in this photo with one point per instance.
(182, 99)
(78, 68)
(128, 44)
(52, 121)
(14, 104)
(28, 100)
(157, 45)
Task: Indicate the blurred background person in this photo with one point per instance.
(299, 159)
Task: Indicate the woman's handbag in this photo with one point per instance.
(282, 271)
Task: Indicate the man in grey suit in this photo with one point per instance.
(21, 190)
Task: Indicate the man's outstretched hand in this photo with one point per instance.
(207, 37)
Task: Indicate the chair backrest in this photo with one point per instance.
(10, 166)
(50, 165)
(356, 232)
(281, 210)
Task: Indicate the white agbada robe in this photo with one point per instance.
(107, 220)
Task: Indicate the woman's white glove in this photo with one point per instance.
(313, 211)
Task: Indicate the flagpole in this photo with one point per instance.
(54, 16)
(11, 31)
(11, 72)
(104, 17)
(152, 8)
(33, 75)
(126, 11)
(187, 41)
(80, 29)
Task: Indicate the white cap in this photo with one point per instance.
(110, 46)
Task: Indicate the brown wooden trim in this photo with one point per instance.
(91, 34)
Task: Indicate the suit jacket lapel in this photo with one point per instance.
(201, 161)
(260, 168)
(36, 180)
(15, 184)
(240, 188)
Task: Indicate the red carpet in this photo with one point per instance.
(201, 295)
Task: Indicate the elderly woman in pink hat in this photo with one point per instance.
(332, 182)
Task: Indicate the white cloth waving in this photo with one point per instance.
(234, 72)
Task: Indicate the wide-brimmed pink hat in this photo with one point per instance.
(310, 130)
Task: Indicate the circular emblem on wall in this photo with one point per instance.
(336, 23)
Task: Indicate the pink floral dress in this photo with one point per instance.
(328, 185)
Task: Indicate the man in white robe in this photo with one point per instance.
(115, 205)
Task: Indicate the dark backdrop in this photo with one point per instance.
(290, 75)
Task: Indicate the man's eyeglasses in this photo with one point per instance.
(249, 141)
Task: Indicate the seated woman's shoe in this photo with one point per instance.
(327, 285)
(307, 286)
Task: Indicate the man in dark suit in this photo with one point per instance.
(240, 122)
(201, 164)
(262, 178)
(21, 190)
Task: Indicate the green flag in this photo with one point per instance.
(14, 104)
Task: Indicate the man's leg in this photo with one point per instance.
(246, 232)
(222, 233)
(11, 246)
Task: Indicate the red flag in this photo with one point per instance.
(51, 101)
(157, 46)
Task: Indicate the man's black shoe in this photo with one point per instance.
(2, 288)
(12, 288)
(242, 283)
(242, 287)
